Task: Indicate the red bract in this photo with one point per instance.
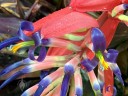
(94, 5)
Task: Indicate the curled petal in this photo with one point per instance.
(90, 64)
(111, 55)
(42, 53)
(65, 84)
(98, 40)
(37, 38)
(25, 26)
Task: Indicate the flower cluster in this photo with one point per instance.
(76, 43)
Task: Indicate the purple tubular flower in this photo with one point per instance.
(65, 84)
(42, 85)
(98, 40)
(125, 6)
(90, 64)
(111, 55)
(26, 61)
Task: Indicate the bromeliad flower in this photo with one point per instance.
(67, 32)
(105, 59)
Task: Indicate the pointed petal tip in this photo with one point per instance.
(120, 79)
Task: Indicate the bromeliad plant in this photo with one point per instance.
(76, 42)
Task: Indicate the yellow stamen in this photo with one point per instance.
(21, 45)
(102, 61)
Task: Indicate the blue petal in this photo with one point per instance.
(37, 38)
(111, 55)
(69, 69)
(65, 84)
(44, 73)
(114, 91)
(26, 61)
(42, 85)
(98, 40)
(42, 53)
(90, 64)
(116, 71)
(45, 41)
(11, 78)
(8, 42)
(25, 25)
(79, 91)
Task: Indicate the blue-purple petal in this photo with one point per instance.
(11, 78)
(65, 84)
(114, 91)
(116, 71)
(111, 55)
(37, 38)
(27, 26)
(90, 64)
(26, 61)
(42, 53)
(44, 73)
(98, 40)
(69, 69)
(42, 85)
(8, 42)
(79, 91)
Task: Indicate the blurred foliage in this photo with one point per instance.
(12, 12)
